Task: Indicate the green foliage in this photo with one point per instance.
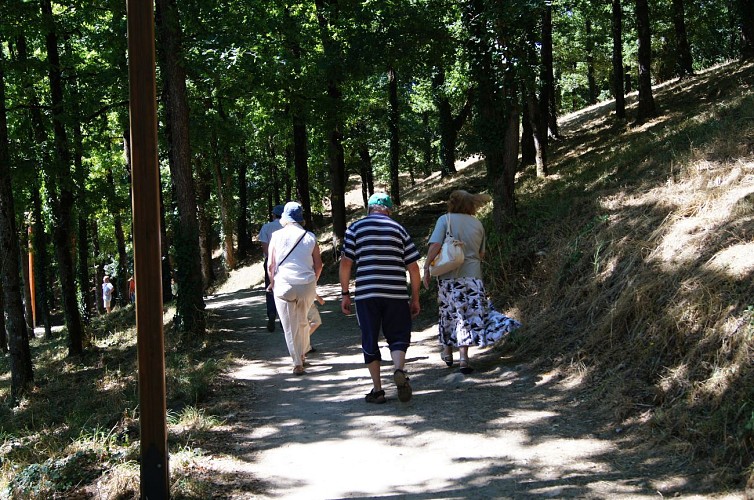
(54, 476)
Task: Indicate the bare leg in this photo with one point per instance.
(374, 372)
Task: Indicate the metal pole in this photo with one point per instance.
(147, 264)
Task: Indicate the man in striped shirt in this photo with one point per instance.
(382, 251)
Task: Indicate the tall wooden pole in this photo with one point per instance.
(147, 263)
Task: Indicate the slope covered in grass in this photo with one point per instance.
(631, 265)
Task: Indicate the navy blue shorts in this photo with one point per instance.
(392, 316)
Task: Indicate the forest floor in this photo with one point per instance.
(506, 431)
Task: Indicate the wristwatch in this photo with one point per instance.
(345, 293)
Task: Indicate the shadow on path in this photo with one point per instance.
(503, 432)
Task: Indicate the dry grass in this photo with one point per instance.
(636, 259)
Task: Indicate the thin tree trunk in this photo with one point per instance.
(327, 15)
(223, 187)
(26, 275)
(745, 10)
(394, 117)
(538, 132)
(99, 270)
(685, 62)
(41, 260)
(547, 100)
(367, 172)
(528, 150)
(592, 83)
(617, 59)
(646, 100)
(22, 375)
(39, 236)
(242, 221)
(190, 307)
(204, 191)
(61, 191)
(3, 332)
(427, 153)
(121, 282)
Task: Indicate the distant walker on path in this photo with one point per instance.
(382, 251)
(265, 234)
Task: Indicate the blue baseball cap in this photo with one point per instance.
(381, 199)
(277, 210)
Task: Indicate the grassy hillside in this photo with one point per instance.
(631, 265)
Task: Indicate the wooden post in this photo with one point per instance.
(147, 263)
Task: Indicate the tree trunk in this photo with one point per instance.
(685, 62)
(190, 306)
(223, 187)
(617, 59)
(39, 236)
(528, 151)
(81, 174)
(3, 332)
(449, 127)
(366, 171)
(41, 260)
(121, 282)
(496, 113)
(646, 100)
(242, 221)
(165, 243)
(745, 10)
(22, 375)
(204, 191)
(427, 153)
(26, 275)
(393, 126)
(592, 83)
(99, 270)
(547, 100)
(537, 132)
(327, 15)
(503, 182)
(61, 191)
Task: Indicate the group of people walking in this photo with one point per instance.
(381, 251)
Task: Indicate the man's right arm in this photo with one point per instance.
(344, 272)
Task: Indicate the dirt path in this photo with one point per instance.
(504, 432)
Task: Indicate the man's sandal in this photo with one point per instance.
(404, 388)
(377, 397)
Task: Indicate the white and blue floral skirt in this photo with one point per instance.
(467, 316)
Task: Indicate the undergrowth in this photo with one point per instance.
(79, 428)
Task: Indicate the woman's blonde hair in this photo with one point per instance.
(463, 202)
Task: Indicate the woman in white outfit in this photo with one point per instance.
(294, 267)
